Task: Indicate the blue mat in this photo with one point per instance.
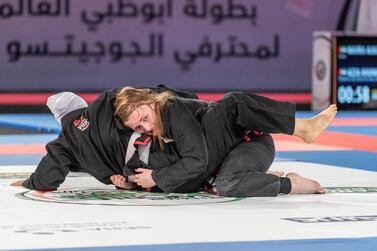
(33, 122)
(341, 114)
(351, 159)
(364, 130)
(27, 139)
(20, 160)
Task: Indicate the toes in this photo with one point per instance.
(321, 191)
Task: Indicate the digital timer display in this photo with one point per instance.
(354, 84)
(348, 94)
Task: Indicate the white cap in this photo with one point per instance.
(63, 103)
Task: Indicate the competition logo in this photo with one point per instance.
(82, 123)
(320, 70)
(111, 197)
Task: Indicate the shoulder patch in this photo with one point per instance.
(82, 123)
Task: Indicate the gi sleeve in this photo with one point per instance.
(191, 146)
(52, 169)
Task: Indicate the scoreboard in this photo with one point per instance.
(344, 71)
(354, 84)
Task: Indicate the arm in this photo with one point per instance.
(52, 169)
(190, 145)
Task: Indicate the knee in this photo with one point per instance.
(266, 142)
(63, 103)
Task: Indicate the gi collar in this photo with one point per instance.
(120, 126)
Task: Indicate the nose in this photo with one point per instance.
(148, 127)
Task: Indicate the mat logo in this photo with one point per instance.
(351, 189)
(113, 197)
(333, 219)
(81, 123)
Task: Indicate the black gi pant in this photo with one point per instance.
(240, 166)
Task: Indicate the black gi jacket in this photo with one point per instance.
(98, 149)
(93, 140)
(181, 120)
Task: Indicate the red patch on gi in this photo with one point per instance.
(82, 123)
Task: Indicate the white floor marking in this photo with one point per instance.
(36, 224)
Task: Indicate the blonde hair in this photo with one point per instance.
(129, 99)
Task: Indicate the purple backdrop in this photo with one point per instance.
(88, 45)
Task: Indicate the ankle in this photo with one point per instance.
(301, 128)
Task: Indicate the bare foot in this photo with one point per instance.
(276, 173)
(301, 185)
(310, 129)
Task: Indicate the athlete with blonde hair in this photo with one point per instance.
(206, 138)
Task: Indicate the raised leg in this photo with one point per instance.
(309, 129)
